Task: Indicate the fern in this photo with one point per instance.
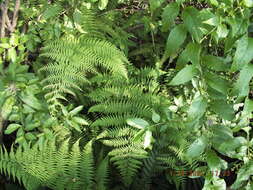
(75, 60)
(116, 101)
(56, 167)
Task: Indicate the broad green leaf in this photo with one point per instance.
(214, 2)
(215, 63)
(12, 54)
(102, 4)
(76, 110)
(155, 117)
(223, 109)
(213, 161)
(190, 54)
(175, 40)
(197, 108)
(222, 31)
(147, 139)
(138, 123)
(243, 175)
(7, 107)
(209, 17)
(221, 133)
(241, 86)
(197, 147)
(248, 107)
(217, 83)
(229, 147)
(154, 4)
(5, 45)
(219, 184)
(11, 128)
(80, 121)
(31, 101)
(32, 125)
(52, 11)
(169, 14)
(30, 136)
(243, 54)
(185, 75)
(193, 23)
(74, 125)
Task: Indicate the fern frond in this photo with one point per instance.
(53, 166)
(75, 59)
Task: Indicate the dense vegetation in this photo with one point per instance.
(126, 94)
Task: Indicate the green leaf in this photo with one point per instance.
(74, 125)
(190, 54)
(154, 4)
(169, 14)
(5, 45)
(241, 86)
(30, 136)
(221, 134)
(229, 147)
(52, 11)
(243, 175)
(210, 18)
(215, 63)
(219, 184)
(138, 123)
(175, 40)
(11, 128)
(213, 161)
(224, 110)
(197, 108)
(76, 110)
(243, 54)
(80, 121)
(147, 139)
(197, 147)
(185, 75)
(193, 23)
(102, 4)
(12, 54)
(7, 107)
(214, 2)
(222, 31)
(217, 83)
(155, 117)
(31, 101)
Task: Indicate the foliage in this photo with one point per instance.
(123, 94)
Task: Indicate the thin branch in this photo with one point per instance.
(7, 21)
(15, 16)
(4, 7)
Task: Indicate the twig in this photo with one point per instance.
(4, 7)
(15, 16)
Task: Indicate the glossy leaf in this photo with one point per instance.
(223, 109)
(185, 75)
(175, 40)
(11, 128)
(197, 108)
(193, 23)
(137, 123)
(169, 14)
(197, 147)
